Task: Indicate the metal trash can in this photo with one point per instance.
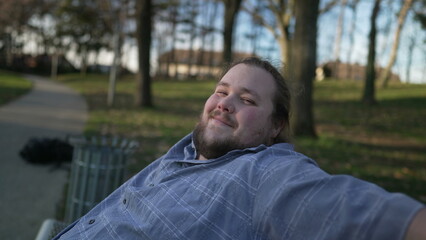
(97, 169)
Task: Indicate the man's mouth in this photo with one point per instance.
(222, 118)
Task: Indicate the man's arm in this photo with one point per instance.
(417, 228)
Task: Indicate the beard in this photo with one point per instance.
(215, 147)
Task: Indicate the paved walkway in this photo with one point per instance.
(29, 193)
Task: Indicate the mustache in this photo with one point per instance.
(223, 116)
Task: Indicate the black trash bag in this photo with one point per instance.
(47, 151)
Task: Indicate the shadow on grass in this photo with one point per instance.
(402, 116)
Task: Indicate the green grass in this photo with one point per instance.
(384, 143)
(12, 86)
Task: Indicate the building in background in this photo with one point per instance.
(346, 71)
(186, 64)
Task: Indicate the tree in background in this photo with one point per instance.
(207, 30)
(14, 19)
(369, 95)
(420, 17)
(385, 75)
(191, 11)
(115, 14)
(144, 14)
(282, 13)
(339, 30)
(254, 31)
(278, 17)
(81, 25)
(231, 9)
(300, 73)
(304, 64)
(412, 42)
(168, 12)
(353, 6)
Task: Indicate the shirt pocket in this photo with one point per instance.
(171, 208)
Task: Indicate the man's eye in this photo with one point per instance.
(248, 101)
(221, 93)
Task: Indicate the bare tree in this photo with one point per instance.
(411, 45)
(14, 19)
(254, 31)
(339, 34)
(143, 32)
(369, 96)
(388, 12)
(385, 75)
(174, 19)
(115, 14)
(279, 26)
(82, 23)
(231, 9)
(208, 11)
(304, 63)
(339, 30)
(353, 7)
(279, 19)
(212, 38)
(191, 13)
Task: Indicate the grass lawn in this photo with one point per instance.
(12, 85)
(384, 144)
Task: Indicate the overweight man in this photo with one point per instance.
(236, 177)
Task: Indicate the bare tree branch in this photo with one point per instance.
(328, 6)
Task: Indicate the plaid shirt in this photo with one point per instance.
(257, 193)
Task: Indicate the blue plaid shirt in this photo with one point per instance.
(257, 193)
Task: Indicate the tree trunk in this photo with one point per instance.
(385, 29)
(370, 75)
(8, 47)
(339, 31)
(286, 56)
(171, 59)
(54, 65)
(353, 6)
(385, 76)
(283, 14)
(231, 10)
(144, 25)
(115, 66)
(304, 47)
(410, 58)
(84, 62)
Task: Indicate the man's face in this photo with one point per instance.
(238, 114)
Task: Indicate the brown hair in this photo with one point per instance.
(281, 100)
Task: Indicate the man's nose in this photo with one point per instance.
(226, 105)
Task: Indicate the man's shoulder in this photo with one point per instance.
(278, 159)
(282, 154)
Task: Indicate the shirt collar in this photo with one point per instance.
(185, 152)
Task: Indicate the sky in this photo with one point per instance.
(327, 24)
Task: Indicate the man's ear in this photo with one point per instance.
(277, 128)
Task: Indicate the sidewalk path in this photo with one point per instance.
(29, 193)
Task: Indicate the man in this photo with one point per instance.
(235, 178)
